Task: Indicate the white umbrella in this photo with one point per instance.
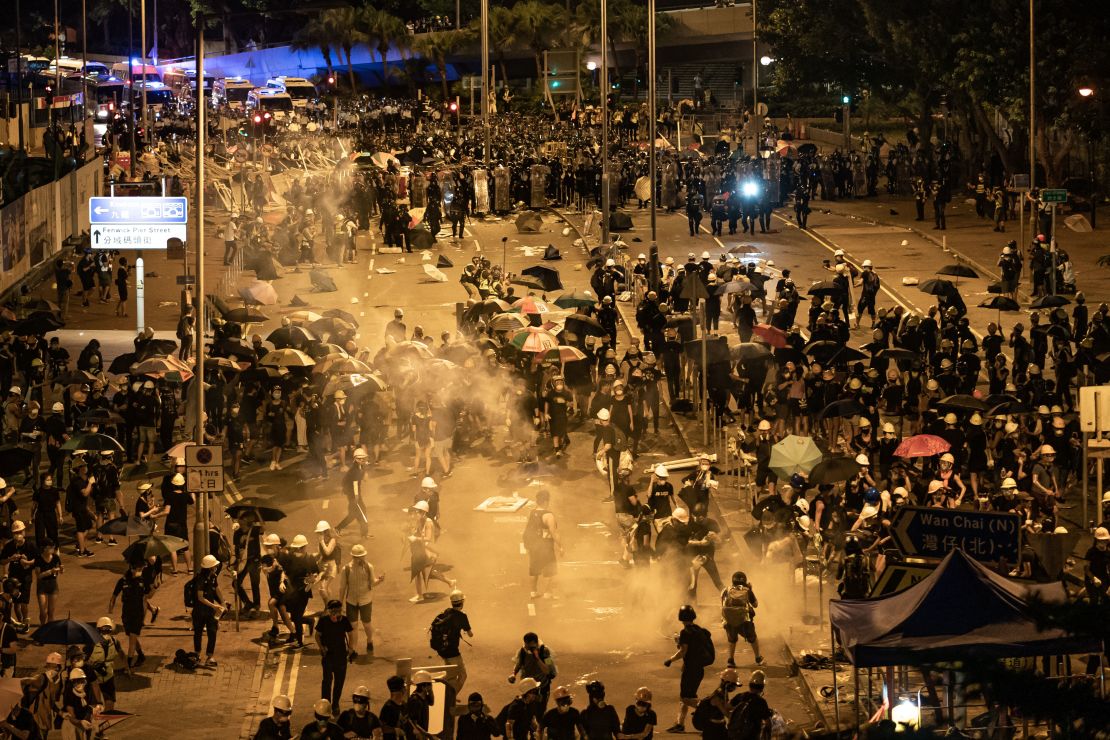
(259, 292)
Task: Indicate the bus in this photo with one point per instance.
(231, 92)
(298, 88)
(71, 67)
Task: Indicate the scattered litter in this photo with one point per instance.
(909, 281)
(905, 242)
(435, 274)
(400, 260)
(354, 299)
(384, 271)
(566, 231)
(163, 304)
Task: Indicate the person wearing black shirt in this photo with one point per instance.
(417, 708)
(477, 724)
(1096, 574)
(20, 722)
(639, 718)
(359, 722)
(333, 636)
(47, 506)
(177, 502)
(352, 489)
(557, 408)
(754, 712)
(209, 607)
(457, 623)
(247, 540)
(394, 712)
(20, 555)
(599, 720)
(606, 448)
(564, 721)
(77, 502)
(277, 726)
(301, 570)
(132, 592)
(520, 716)
(321, 727)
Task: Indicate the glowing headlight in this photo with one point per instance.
(750, 189)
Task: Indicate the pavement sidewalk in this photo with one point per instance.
(974, 238)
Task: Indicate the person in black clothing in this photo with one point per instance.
(711, 715)
(208, 609)
(639, 718)
(750, 711)
(19, 555)
(477, 723)
(177, 502)
(417, 707)
(359, 721)
(321, 727)
(394, 712)
(599, 720)
(564, 722)
(301, 569)
(276, 726)
(457, 622)
(132, 592)
(520, 716)
(333, 636)
(352, 489)
(694, 653)
(247, 540)
(47, 509)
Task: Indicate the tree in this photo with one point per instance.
(438, 46)
(536, 22)
(503, 34)
(384, 30)
(629, 23)
(315, 35)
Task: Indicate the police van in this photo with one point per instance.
(109, 94)
(231, 92)
(300, 90)
(70, 67)
(159, 97)
(270, 100)
(147, 72)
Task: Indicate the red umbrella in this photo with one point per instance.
(922, 445)
(771, 335)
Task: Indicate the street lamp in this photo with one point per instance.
(1087, 92)
(766, 61)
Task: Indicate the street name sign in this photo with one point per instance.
(933, 533)
(895, 578)
(204, 469)
(1056, 195)
(137, 223)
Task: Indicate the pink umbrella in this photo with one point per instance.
(529, 305)
(922, 445)
(770, 334)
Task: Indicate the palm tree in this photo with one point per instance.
(439, 45)
(383, 30)
(587, 22)
(342, 24)
(503, 34)
(315, 35)
(630, 24)
(536, 22)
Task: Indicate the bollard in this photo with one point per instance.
(140, 296)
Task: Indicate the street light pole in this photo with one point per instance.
(485, 83)
(142, 40)
(1032, 105)
(131, 79)
(755, 82)
(200, 526)
(653, 256)
(604, 101)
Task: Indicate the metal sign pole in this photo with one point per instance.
(704, 371)
(140, 296)
(200, 526)
(653, 255)
(1052, 252)
(603, 103)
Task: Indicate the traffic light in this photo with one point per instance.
(846, 100)
(331, 79)
(453, 106)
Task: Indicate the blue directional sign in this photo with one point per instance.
(137, 223)
(932, 533)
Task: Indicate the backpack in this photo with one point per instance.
(441, 632)
(741, 724)
(736, 607)
(702, 714)
(186, 660)
(534, 530)
(857, 581)
(190, 593)
(700, 651)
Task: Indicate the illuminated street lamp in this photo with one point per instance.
(766, 61)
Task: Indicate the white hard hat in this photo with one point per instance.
(764, 425)
(209, 561)
(1102, 534)
(340, 395)
(321, 707)
(358, 551)
(661, 471)
(360, 454)
(178, 461)
(949, 418)
(603, 414)
(18, 526)
(804, 522)
(861, 459)
(457, 597)
(525, 685)
(888, 428)
(428, 482)
(105, 622)
(281, 701)
(705, 255)
(867, 263)
(838, 253)
(322, 526)
(610, 263)
(178, 479)
(299, 541)
(77, 675)
(802, 505)
(900, 491)
(421, 506)
(420, 677)
(58, 407)
(1008, 483)
(935, 485)
(641, 256)
(681, 515)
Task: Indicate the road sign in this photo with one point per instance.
(204, 469)
(933, 533)
(1094, 409)
(137, 223)
(1021, 182)
(1057, 195)
(897, 578)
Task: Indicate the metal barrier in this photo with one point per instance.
(229, 281)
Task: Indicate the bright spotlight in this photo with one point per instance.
(765, 60)
(591, 66)
(750, 189)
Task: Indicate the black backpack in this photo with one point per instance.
(186, 660)
(190, 593)
(702, 714)
(534, 530)
(857, 581)
(742, 725)
(441, 632)
(700, 651)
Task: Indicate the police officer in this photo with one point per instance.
(693, 211)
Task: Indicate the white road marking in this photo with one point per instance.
(324, 505)
(279, 672)
(291, 692)
(247, 730)
(531, 609)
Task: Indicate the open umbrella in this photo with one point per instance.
(421, 238)
(245, 315)
(772, 335)
(92, 443)
(35, 305)
(1049, 301)
(100, 416)
(716, 350)
(264, 507)
(1001, 303)
(160, 367)
(121, 365)
(331, 325)
(822, 349)
(259, 292)
(508, 322)
(154, 545)
(922, 445)
(845, 355)
(529, 223)
(342, 365)
(963, 401)
(548, 276)
(287, 357)
(528, 281)
(155, 348)
(576, 299)
(68, 632)
(303, 316)
(322, 282)
(530, 305)
(1009, 408)
(824, 287)
(583, 326)
(417, 349)
(833, 470)
(844, 408)
(937, 286)
(81, 377)
(957, 271)
(223, 363)
(290, 336)
(749, 351)
(735, 286)
(14, 459)
(127, 526)
(565, 353)
(234, 346)
(534, 339)
(896, 353)
(794, 454)
(339, 313)
(345, 383)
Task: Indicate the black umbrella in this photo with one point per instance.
(822, 348)
(833, 470)
(121, 365)
(262, 374)
(322, 282)
(266, 267)
(1001, 303)
(1055, 330)
(549, 276)
(93, 443)
(937, 286)
(528, 282)
(584, 326)
(1049, 301)
(100, 416)
(331, 325)
(421, 238)
(339, 313)
(35, 305)
(126, 526)
(824, 287)
(1009, 408)
(265, 509)
(896, 353)
(809, 148)
(291, 336)
(957, 271)
(155, 348)
(844, 408)
(716, 350)
(14, 459)
(245, 315)
(67, 632)
(154, 545)
(749, 351)
(963, 401)
(234, 346)
(845, 355)
(996, 398)
(38, 323)
(81, 377)
(528, 223)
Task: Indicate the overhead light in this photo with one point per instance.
(1086, 91)
(591, 66)
(765, 60)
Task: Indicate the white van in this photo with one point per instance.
(298, 88)
(159, 97)
(269, 100)
(231, 92)
(109, 94)
(71, 67)
(139, 71)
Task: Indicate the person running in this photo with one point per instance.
(695, 650)
(446, 634)
(353, 479)
(132, 591)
